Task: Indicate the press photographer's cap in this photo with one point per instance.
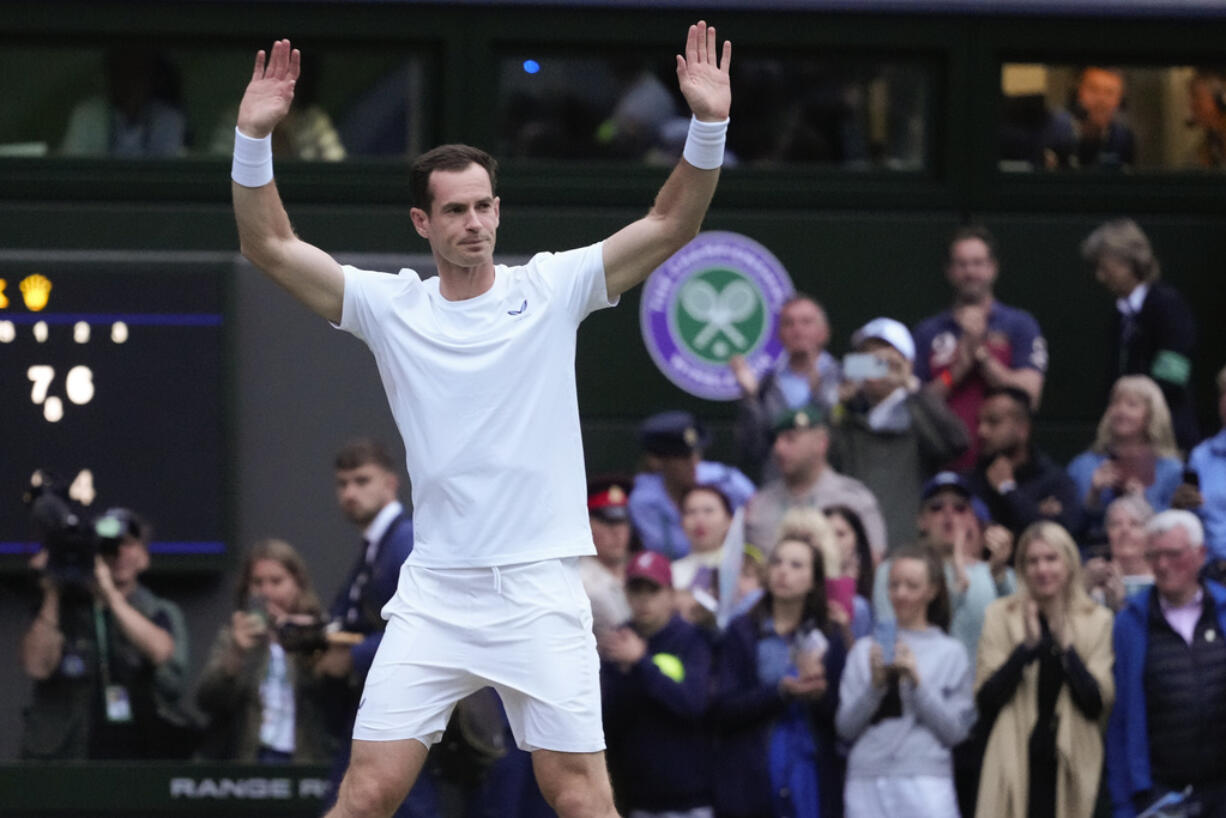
(673, 434)
(651, 566)
(892, 332)
(806, 417)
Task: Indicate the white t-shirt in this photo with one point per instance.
(483, 393)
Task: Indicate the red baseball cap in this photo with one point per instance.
(651, 566)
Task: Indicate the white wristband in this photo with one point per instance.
(252, 160)
(704, 145)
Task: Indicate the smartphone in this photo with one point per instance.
(1191, 477)
(885, 633)
(861, 366)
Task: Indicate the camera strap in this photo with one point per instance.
(115, 700)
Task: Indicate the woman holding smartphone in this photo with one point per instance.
(906, 699)
(1044, 684)
(776, 696)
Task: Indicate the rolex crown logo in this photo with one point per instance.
(35, 290)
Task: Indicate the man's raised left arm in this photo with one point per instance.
(633, 252)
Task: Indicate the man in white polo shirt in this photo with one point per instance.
(478, 365)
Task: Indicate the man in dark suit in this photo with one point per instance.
(366, 491)
(1154, 331)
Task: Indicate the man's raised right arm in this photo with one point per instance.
(265, 235)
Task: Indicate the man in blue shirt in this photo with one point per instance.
(979, 343)
(673, 443)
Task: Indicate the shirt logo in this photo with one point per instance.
(519, 311)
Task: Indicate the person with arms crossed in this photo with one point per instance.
(478, 365)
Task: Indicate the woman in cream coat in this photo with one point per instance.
(1044, 686)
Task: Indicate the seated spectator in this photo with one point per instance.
(655, 674)
(673, 443)
(706, 518)
(888, 433)
(604, 575)
(903, 716)
(1045, 749)
(306, 132)
(777, 689)
(265, 701)
(1020, 484)
(957, 524)
(1153, 330)
(808, 375)
(1124, 572)
(1092, 133)
(1207, 104)
(108, 657)
(979, 342)
(1165, 733)
(1133, 453)
(1208, 462)
(807, 481)
(140, 116)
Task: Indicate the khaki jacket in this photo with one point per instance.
(1079, 741)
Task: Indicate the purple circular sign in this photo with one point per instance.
(717, 297)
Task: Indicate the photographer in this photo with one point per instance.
(261, 687)
(107, 656)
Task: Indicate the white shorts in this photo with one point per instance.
(921, 796)
(525, 630)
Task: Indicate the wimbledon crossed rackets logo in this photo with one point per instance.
(717, 297)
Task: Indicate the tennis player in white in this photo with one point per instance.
(478, 365)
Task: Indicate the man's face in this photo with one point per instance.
(803, 328)
(1175, 563)
(971, 270)
(946, 515)
(679, 471)
(796, 450)
(878, 389)
(1100, 94)
(363, 492)
(611, 538)
(1116, 275)
(1001, 429)
(1205, 112)
(463, 219)
(651, 606)
(129, 561)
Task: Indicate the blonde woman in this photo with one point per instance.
(1133, 453)
(1043, 686)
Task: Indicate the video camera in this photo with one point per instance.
(70, 536)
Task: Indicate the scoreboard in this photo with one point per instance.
(111, 379)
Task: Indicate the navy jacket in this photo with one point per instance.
(1161, 346)
(1128, 770)
(393, 550)
(659, 744)
(1038, 479)
(743, 713)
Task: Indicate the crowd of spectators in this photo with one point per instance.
(860, 617)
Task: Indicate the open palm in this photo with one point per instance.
(271, 90)
(703, 75)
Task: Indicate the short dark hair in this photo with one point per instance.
(1019, 397)
(972, 231)
(450, 158)
(362, 451)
